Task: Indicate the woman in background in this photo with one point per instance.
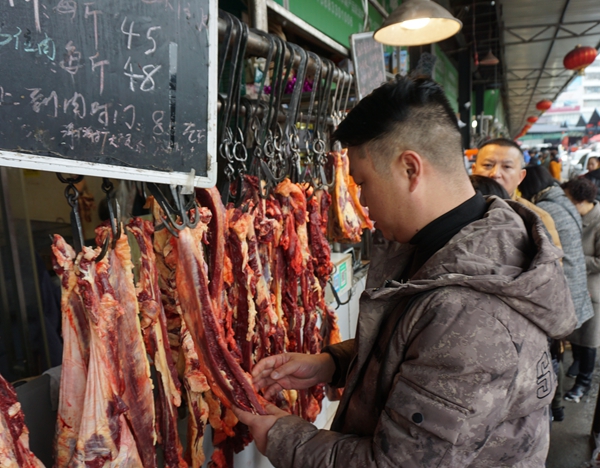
(585, 340)
(541, 189)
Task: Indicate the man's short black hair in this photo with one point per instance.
(501, 142)
(406, 114)
(376, 114)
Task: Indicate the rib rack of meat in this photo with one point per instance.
(14, 436)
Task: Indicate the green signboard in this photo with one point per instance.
(336, 18)
(446, 74)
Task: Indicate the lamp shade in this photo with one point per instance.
(489, 60)
(417, 22)
(532, 119)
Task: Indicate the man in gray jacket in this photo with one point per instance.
(450, 366)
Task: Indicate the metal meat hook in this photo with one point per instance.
(167, 221)
(114, 212)
(72, 196)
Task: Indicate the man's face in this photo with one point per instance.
(381, 192)
(501, 163)
(592, 164)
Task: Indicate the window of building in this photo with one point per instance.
(591, 103)
(592, 76)
(592, 89)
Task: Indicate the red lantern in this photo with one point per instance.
(533, 119)
(544, 105)
(580, 58)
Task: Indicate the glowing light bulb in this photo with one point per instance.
(415, 23)
(474, 124)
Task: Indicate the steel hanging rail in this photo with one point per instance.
(258, 46)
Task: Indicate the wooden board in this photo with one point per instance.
(111, 88)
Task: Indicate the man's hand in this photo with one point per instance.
(295, 371)
(259, 425)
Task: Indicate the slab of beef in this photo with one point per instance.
(197, 392)
(345, 221)
(135, 385)
(227, 379)
(154, 325)
(76, 354)
(105, 437)
(14, 436)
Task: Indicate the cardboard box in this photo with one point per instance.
(341, 278)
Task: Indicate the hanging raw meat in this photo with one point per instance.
(14, 436)
(105, 437)
(198, 395)
(76, 354)
(154, 325)
(196, 386)
(135, 385)
(227, 379)
(346, 222)
(361, 211)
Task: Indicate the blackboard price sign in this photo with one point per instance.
(369, 63)
(111, 88)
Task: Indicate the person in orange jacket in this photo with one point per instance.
(555, 166)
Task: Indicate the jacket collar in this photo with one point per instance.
(593, 217)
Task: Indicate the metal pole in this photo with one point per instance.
(382, 11)
(20, 290)
(258, 14)
(259, 47)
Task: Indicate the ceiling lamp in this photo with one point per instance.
(417, 22)
(490, 59)
(532, 119)
(580, 58)
(544, 105)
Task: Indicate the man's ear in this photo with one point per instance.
(522, 175)
(411, 164)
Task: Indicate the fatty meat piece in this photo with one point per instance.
(76, 354)
(105, 438)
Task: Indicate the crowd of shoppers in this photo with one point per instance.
(574, 214)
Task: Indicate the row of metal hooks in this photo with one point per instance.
(179, 211)
(276, 135)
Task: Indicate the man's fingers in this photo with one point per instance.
(284, 370)
(264, 383)
(268, 364)
(244, 416)
(272, 391)
(273, 410)
(263, 375)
